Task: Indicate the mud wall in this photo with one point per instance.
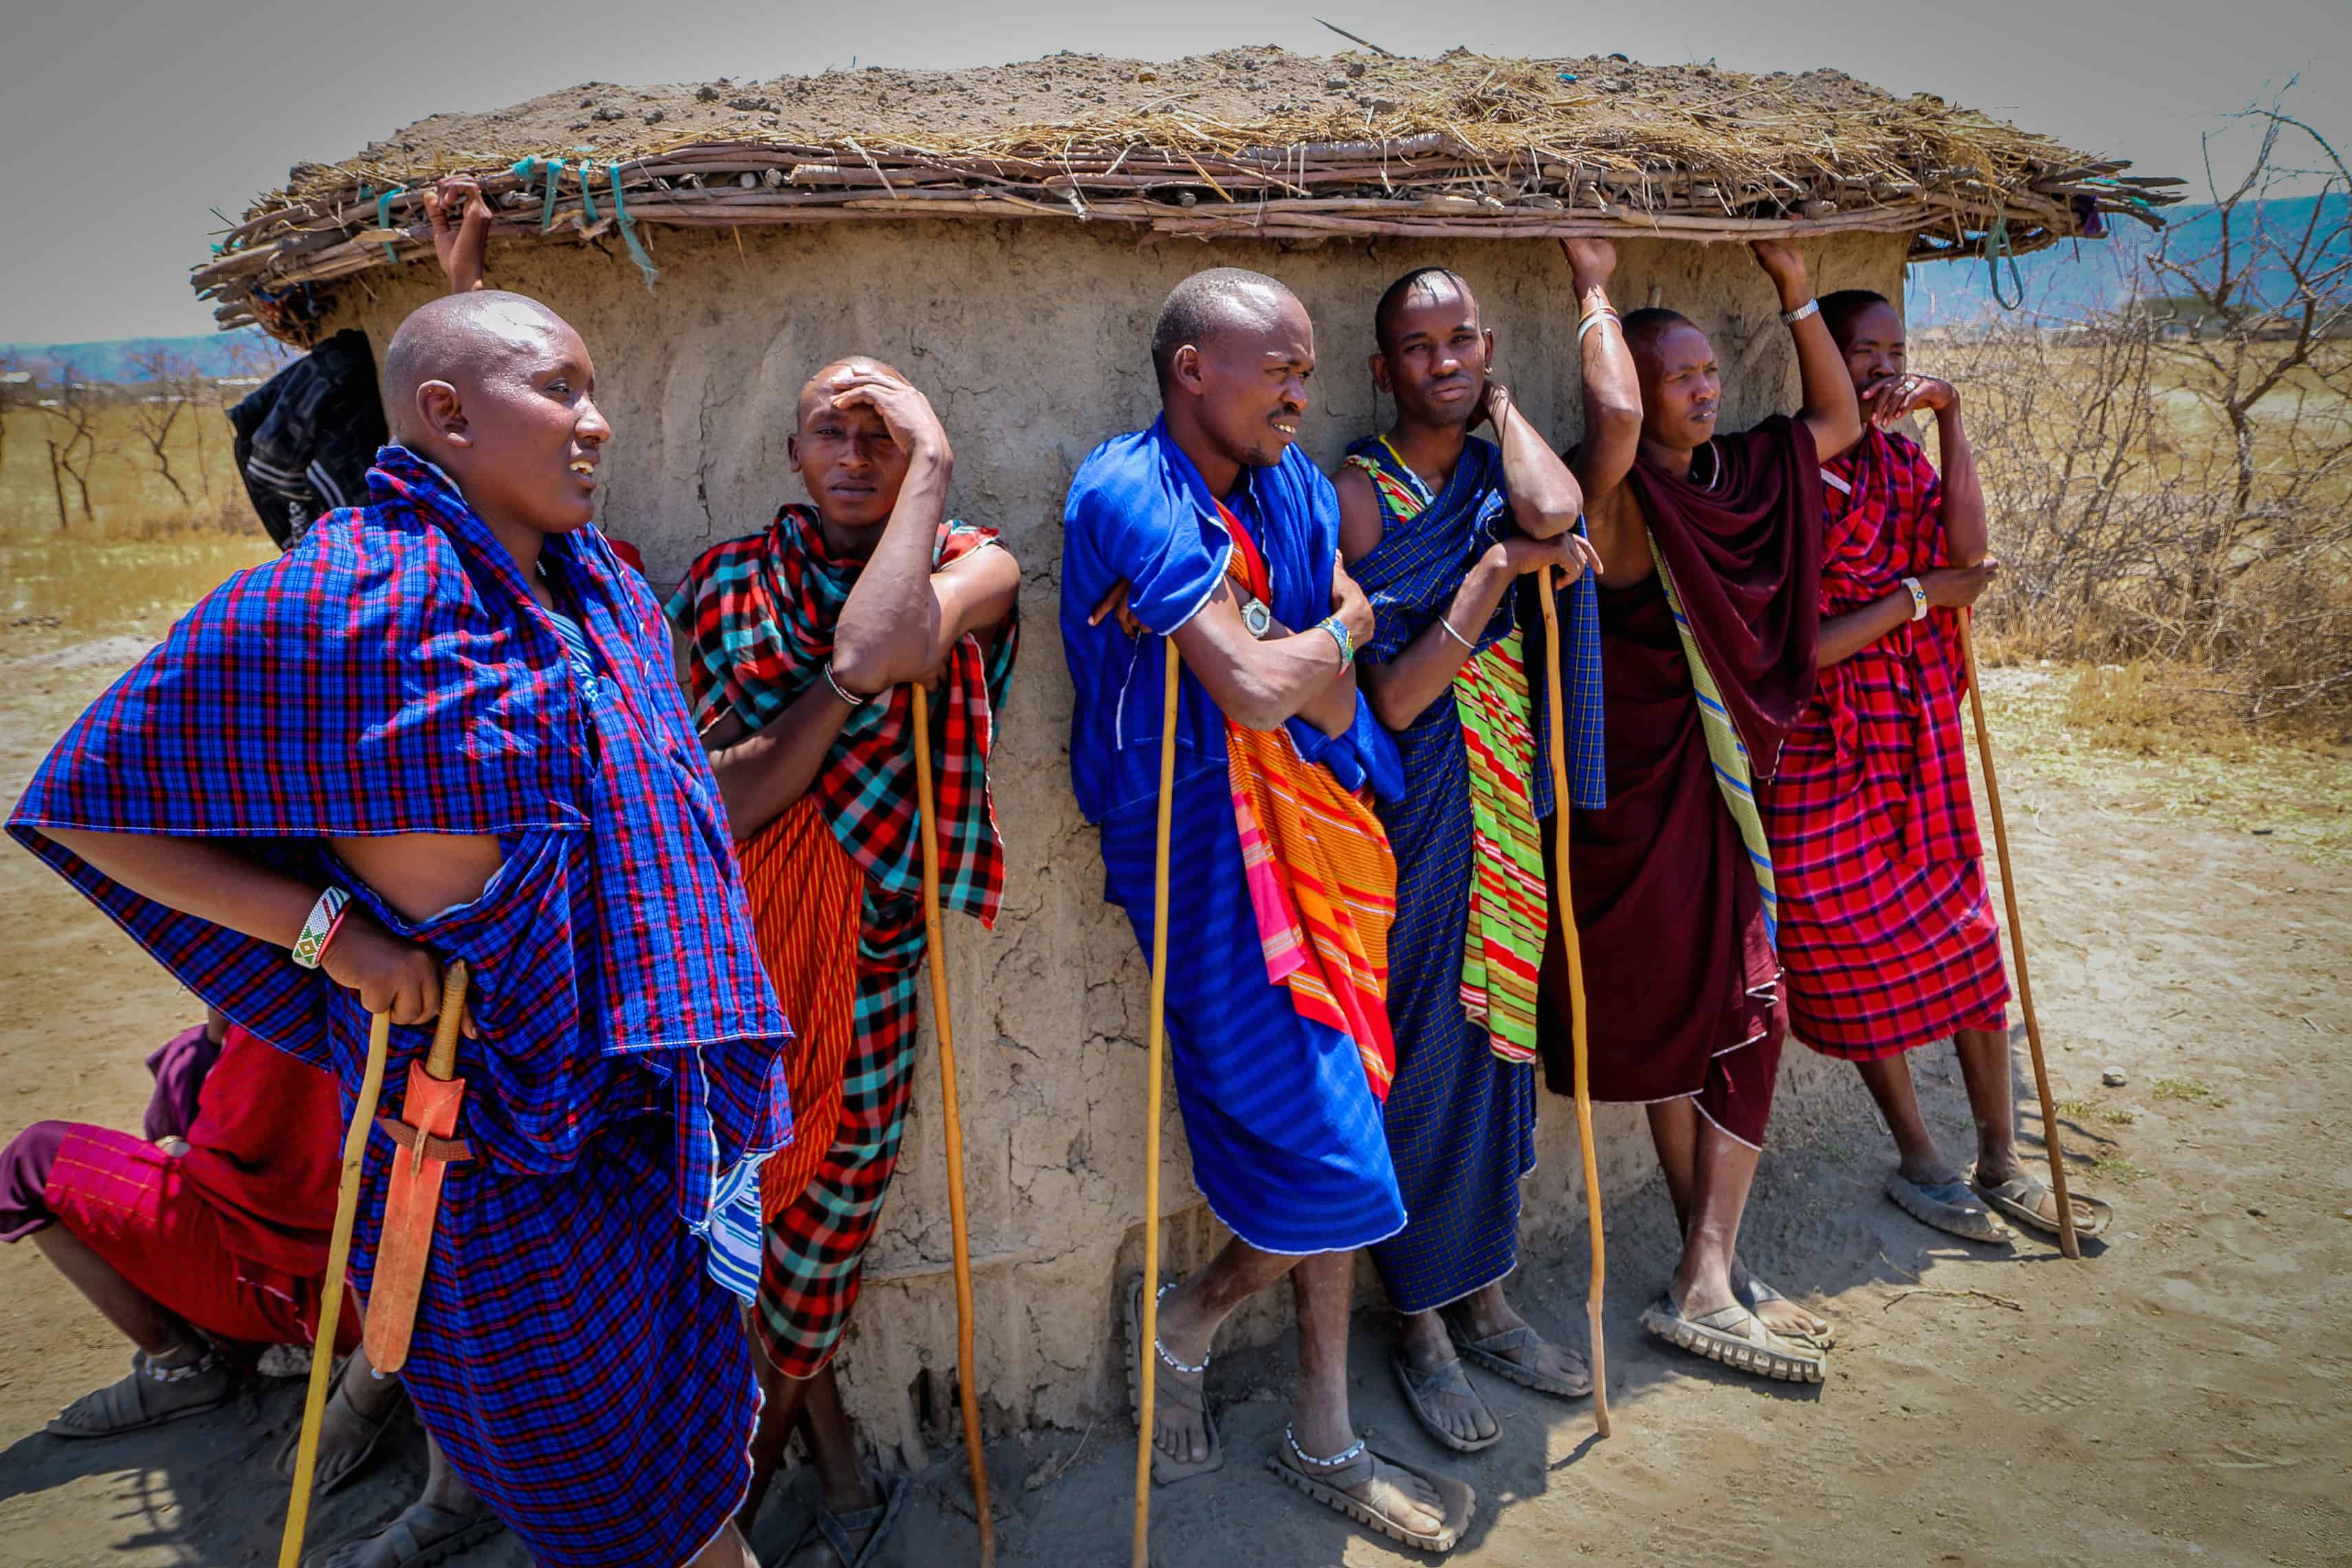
(1031, 341)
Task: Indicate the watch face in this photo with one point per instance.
(1256, 617)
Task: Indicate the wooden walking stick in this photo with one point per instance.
(958, 1224)
(1157, 1051)
(1577, 1038)
(2066, 1240)
(330, 1299)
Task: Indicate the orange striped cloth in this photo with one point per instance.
(1322, 878)
(804, 891)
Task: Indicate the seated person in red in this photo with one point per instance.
(204, 1238)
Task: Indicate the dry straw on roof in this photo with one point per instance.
(1243, 143)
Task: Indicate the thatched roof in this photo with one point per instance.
(1253, 142)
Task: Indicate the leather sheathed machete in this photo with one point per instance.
(426, 1149)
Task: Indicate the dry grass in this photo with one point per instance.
(129, 500)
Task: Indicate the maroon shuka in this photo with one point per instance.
(1680, 974)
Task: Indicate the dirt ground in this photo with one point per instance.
(2178, 1396)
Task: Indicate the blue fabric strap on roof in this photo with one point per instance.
(383, 219)
(587, 198)
(628, 229)
(1997, 250)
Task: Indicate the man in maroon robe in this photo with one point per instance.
(1710, 552)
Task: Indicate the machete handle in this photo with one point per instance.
(443, 1061)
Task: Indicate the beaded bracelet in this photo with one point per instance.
(320, 925)
(1338, 630)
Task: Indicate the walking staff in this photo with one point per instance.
(330, 1299)
(1574, 956)
(2067, 1242)
(1156, 1054)
(957, 1222)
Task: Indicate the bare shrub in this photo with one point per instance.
(2171, 477)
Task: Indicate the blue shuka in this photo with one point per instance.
(574, 1351)
(1460, 1122)
(1287, 1146)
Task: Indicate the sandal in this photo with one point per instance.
(1734, 1336)
(1167, 1469)
(1362, 1464)
(2022, 1196)
(1449, 1379)
(138, 1401)
(1949, 1206)
(420, 1536)
(329, 1481)
(833, 1529)
(1493, 1353)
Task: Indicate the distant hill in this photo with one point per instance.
(245, 352)
(2080, 278)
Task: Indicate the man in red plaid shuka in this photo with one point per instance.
(797, 647)
(1886, 931)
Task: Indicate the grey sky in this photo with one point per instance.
(123, 123)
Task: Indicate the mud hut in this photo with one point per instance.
(1005, 236)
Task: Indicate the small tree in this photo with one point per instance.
(160, 397)
(74, 447)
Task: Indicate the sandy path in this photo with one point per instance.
(2179, 1396)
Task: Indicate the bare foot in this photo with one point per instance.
(1446, 1399)
(1776, 1312)
(1487, 1314)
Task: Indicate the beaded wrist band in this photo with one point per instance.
(1338, 630)
(1918, 592)
(842, 691)
(319, 927)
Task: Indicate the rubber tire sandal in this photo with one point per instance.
(1166, 1470)
(132, 1391)
(1759, 1291)
(327, 1485)
(459, 1532)
(833, 1529)
(1754, 1349)
(1454, 1498)
(1451, 1379)
(1950, 1208)
(2020, 1198)
(1488, 1353)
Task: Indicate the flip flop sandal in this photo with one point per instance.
(1419, 1385)
(1166, 1470)
(834, 1528)
(1733, 1336)
(1759, 1292)
(2020, 1198)
(1490, 1352)
(1454, 1498)
(1949, 1206)
(122, 1405)
(420, 1536)
(327, 1485)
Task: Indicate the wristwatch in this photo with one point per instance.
(1918, 598)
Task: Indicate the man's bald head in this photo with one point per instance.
(1645, 328)
(1209, 304)
(813, 391)
(462, 339)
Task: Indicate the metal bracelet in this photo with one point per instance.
(1810, 308)
(1457, 636)
(842, 691)
(1594, 320)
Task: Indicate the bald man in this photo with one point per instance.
(443, 729)
(1212, 532)
(799, 647)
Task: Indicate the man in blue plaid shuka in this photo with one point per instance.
(578, 1353)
